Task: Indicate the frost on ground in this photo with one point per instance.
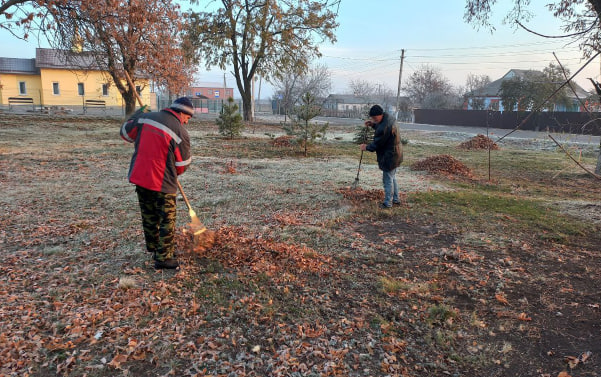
(258, 187)
(581, 210)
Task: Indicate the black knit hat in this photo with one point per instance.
(183, 105)
(376, 110)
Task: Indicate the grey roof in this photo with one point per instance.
(17, 65)
(359, 100)
(52, 58)
(494, 88)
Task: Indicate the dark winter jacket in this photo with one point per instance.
(162, 149)
(387, 144)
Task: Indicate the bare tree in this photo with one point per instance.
(286, 87)
(291, 86)
(362, 88)
(427, 87)
(372, 93)
(317, 82)
(473, 84)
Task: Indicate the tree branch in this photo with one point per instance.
(573, 159)
(594, 24)
(11, 3)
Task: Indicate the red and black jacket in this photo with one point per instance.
(162, 149)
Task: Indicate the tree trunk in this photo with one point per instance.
(130, 102)
(247, 106)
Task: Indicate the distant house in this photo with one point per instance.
(210, 91)
(350, 105)
(208, 97)
(61, 78)
(489, 97)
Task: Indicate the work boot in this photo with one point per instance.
(384, 206)
(168, 264)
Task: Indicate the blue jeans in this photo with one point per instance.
(391, 189)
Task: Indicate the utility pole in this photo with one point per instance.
(259, 96)
(398, 92)
(252, 99)
(222, 95)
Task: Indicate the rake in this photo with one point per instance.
(356, 183)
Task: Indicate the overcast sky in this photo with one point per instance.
(372, 33)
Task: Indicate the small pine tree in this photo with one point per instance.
(362, 134)
(230, 121)
(306, 133)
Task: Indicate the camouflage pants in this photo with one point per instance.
(158, 221)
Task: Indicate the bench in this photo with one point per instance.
(95, 104)
(20, 101)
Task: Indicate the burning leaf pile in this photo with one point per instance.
(359, 195)
(479, 142)
(444, 164)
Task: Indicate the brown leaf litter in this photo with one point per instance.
(479, 142)
(359, 195)
(444, 164)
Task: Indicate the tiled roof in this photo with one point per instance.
(51, 58)
(17, 65)
(360, 100)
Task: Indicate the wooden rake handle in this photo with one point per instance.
(131, 84)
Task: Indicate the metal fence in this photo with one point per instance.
(562, 122)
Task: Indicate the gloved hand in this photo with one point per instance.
(140, 111)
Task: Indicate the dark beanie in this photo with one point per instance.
(376, 110)
(183, 105)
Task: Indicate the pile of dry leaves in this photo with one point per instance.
(444, 164)
(359, 195)
(282, 141)
(479, 142)
(236, 249)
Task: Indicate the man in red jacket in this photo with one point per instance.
(162, 152)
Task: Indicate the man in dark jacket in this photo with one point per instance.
(387, 145)
(162, 152)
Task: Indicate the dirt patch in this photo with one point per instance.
(442, 164)
(582, 210)
(530, 313)
(479, 142)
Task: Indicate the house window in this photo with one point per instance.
(139, 90)
(105, 90)
(80, 89)
(55, 89)
(22, 88)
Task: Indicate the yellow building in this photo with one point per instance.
(60, 79)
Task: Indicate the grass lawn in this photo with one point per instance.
(493, 274)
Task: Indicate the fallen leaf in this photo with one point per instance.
(117, 361)
(501, 298)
